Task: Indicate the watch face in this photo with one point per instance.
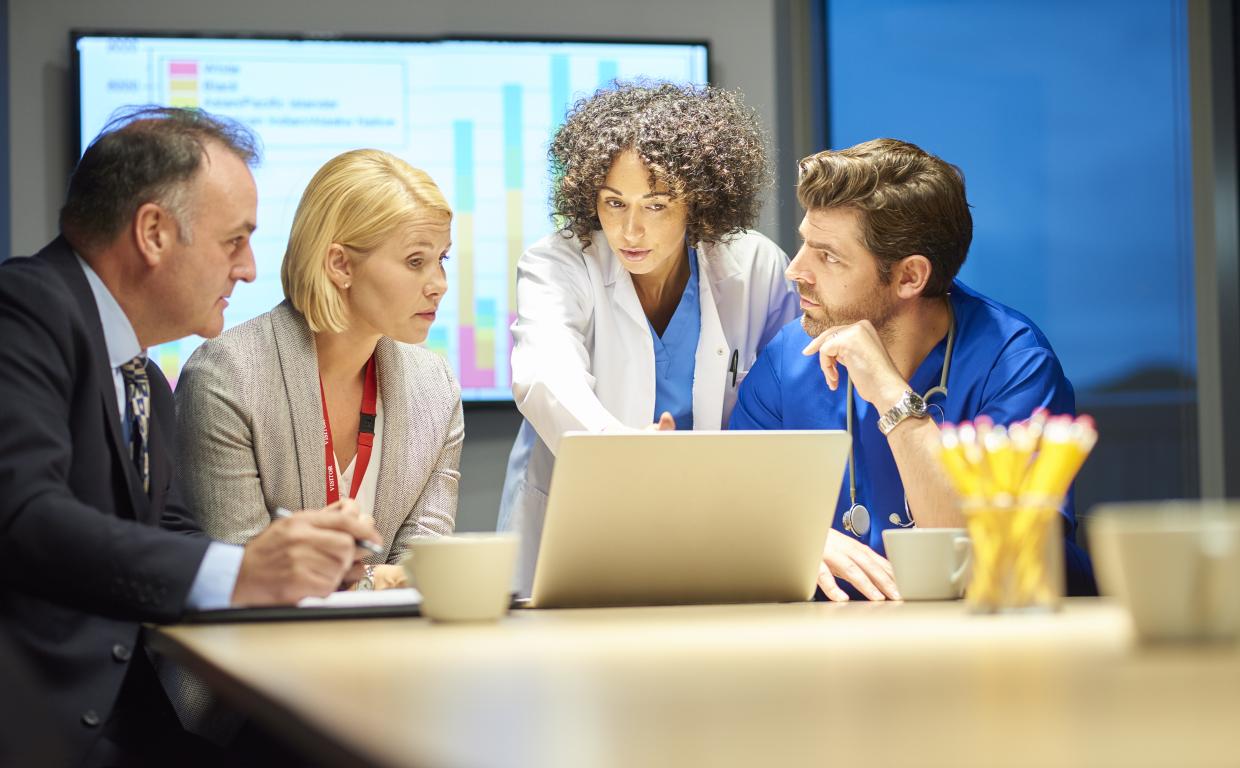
(916, 406)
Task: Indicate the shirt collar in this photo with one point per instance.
(118, 332)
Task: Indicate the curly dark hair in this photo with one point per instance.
(702, 142)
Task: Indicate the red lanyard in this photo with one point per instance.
(365, 436)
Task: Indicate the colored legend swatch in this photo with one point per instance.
(183, 84)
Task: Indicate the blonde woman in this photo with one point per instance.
(363, 276)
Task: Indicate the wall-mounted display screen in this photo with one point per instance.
(475, 114)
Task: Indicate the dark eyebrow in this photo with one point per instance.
(621, 194)
(812, 243)
(820, 246)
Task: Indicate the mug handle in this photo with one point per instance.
(964, 547)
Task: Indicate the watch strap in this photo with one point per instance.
(368, 578)
(909, 406)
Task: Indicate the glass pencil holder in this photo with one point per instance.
(1017, 555)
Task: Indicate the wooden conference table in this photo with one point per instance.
(750, 685)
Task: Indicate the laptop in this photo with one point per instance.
(657, 518)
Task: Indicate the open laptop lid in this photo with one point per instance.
(688, 517)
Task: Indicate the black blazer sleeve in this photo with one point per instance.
(68, 533)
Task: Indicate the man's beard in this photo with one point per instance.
(875, 307)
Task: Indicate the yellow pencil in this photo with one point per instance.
(959, 470)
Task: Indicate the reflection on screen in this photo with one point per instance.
(476, 115)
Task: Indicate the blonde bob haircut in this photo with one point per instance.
(357, 200)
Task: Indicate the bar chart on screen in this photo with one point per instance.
(476, 115)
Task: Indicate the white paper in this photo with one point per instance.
(364, 598)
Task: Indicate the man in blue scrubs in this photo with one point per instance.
(888, 327)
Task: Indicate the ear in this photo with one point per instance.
(910, 275)
(339, 266)
(154, 233)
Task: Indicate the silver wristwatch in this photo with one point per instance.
(909, 406)
(368, 578)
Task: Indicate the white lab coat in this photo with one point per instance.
(583, 358)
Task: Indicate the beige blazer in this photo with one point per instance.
(250, 433)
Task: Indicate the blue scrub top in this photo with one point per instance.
(1002, 366)
(675, 354)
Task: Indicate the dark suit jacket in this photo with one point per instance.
(27, 733)
(85, 555)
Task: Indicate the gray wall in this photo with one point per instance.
(741, 33)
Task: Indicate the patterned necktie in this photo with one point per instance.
(138, 391)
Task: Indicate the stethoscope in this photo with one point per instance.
(857, 517)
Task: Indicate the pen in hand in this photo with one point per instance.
(369, 546)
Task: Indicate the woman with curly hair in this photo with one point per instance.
(649, 305)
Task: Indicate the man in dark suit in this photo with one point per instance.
(93, 537)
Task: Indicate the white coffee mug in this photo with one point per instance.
(465, 577)
(1174, 564)
(930, 563)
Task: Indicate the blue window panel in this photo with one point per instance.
(1070, 121)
